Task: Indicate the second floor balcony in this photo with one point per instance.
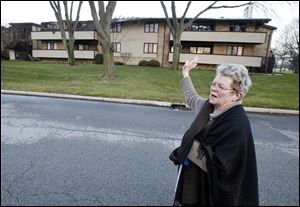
(232, 37)
(56, 35)
(79, 54)
(250, 61)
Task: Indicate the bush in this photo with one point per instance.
(143, 63)
(5, 55)
(119, 63)
(150, 63)
(154, 63)
(99, 59)
(21, 55)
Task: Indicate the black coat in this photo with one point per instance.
(231, 177)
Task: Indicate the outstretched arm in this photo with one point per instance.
(189, 65)
(192, 98)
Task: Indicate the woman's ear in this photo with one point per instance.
(239, 95)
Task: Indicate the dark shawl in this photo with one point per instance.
(231, 161)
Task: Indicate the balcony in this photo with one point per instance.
(248, 61)
(232, 37)
(56, 35)
(79, 54)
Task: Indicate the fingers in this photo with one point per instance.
(186, 65)
(193, 63)
(190, 64)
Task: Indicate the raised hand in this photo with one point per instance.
(188, 66)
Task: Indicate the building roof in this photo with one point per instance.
(129, 19)
(24, 24)
(89, 24)
(257, 20)
(270, 27)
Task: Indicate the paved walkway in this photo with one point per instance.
(141, 102)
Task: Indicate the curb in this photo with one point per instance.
(140, 102)
(90, 98)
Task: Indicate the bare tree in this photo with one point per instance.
(103, 30)
(71, 26)
(282, 57)
(177, 25)
(287, 48)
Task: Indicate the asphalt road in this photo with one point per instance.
(71, 152)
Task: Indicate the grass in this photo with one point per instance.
(278, 91)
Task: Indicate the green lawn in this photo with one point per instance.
(278, 91)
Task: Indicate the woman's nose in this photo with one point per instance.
(213, 89)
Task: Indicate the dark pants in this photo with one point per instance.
(195, 186)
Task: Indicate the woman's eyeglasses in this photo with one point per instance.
(219, 86)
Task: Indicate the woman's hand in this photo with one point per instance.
(188, 66)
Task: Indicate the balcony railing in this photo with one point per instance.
(249, 61)
(56, 35)
(84, 54)
(232, 37)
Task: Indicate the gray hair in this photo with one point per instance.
(239, 75)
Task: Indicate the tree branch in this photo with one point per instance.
(183, 16)
(101, 10)
(78, 14)
(67, 15)
(167, 18)
(71, 11)
(173, 8)
(110, 8)
(99, 28)
(207, 8)
(234, 6)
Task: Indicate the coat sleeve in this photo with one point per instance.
(192, 98)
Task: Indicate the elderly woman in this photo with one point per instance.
(216, 158)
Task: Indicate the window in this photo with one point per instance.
(117, 27)
(52, 26)
(200, 50)
(52, 46)
(193, 49)
(237, 28)
(202, 27)
(85, 47)
(152, 27)
(206, 50)
(234, 50)
(150, 48)
(81, 47)
(116, 47)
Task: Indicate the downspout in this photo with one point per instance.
(267, 53)
(163, 50)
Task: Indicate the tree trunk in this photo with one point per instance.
(71, 25)
(71, 56)
(176, 53)
(103, 30)
(108, 59)
(281, 65)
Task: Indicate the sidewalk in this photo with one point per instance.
(140, 102)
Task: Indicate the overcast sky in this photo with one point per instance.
(40, 11)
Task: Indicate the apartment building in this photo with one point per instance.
(244, 41)
(16, 42)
